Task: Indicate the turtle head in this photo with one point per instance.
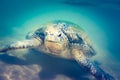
(55, 39)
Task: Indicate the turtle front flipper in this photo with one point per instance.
(95, 70)
(20, 45)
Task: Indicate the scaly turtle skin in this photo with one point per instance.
(62, 39)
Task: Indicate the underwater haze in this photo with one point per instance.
(99, 18)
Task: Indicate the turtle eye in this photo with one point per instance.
(59, 35)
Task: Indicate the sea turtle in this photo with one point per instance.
(62, 39)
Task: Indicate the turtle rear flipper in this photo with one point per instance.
(20, 45)
(94, 69)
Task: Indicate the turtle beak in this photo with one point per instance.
(50, 41)
(54, 47)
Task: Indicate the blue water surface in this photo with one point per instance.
(99, 18)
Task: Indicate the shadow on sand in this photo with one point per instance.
(50, 66)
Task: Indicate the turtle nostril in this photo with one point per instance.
(59, 35)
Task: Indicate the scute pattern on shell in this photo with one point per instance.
(77, 37)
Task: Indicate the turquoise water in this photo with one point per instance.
(99, 18)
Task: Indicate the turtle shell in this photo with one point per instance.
(77, 37)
